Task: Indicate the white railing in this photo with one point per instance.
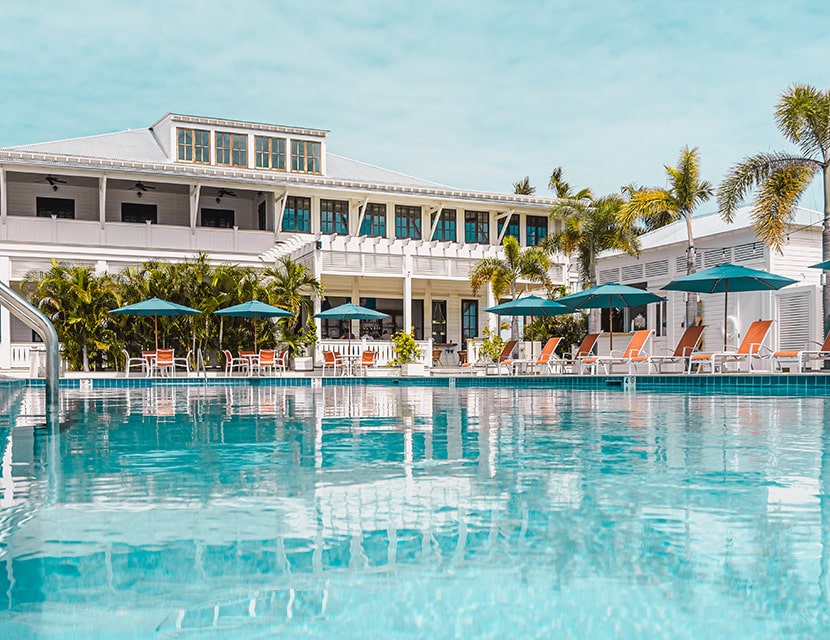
(384, 348)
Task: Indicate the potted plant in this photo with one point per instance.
(301, 346)
(407, 352)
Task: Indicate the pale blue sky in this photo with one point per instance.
(470, 94)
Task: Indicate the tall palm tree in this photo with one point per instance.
(656, 207)
(503, 274)
(803, 117)
(292, 286)
(523, 187)
(590, 226)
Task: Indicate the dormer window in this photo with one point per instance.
(193, 145)
(232, 149)
(270, 153)
(305, 156)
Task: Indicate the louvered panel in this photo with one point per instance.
(680, 264)
(714, 257)
(384, 263)
(632, 272)
(657, 268)
(426, 266)
(461, 267)
(609, 275)
(793, 320)
(341, 261)
(748, 251)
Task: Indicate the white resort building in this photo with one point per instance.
(796, 309)
(250, 193)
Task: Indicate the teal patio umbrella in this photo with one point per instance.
(254, 309)
(156, 307)
(609, 296)
(530, 306)
(729, 277)
(348, 312)
(821, 265)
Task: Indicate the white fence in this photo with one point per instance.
(384, 348)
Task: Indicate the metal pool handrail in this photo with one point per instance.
(35, 320)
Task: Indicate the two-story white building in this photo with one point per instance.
(249, 193)
(796, 309)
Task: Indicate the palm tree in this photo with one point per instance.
(292, 286)
(503, 274)
(523, 187)
(656, 207)
(78, 301)
(557, 184)
(590, 226)
(802, 115)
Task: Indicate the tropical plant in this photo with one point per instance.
(292, 285)
(491, 346)
(523, 187)
(407, 350)
(590, 225)
(78, 301)
(530, 264)
(802, 115)
(656, 207)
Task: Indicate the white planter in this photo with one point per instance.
(303, 364)
(413, 369)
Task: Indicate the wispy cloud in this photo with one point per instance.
(465, 93)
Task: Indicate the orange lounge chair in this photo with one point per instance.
(548, 358)
(505, 354)
(802, 356)
(634, 353)
(748, 349)
(686, 346)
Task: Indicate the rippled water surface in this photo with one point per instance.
(357, 512)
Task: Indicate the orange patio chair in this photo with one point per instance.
(802, 357)
(548, 358)
(749, 348)
(333, 361)
(686, 346)
(633, 353)
(164, 362)
(231, 363)
(267, 360)
(368, 360)
(502, 362)
(584, 350)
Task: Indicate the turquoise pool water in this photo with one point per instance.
(410, 512)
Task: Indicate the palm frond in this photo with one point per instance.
(801, 116)
(777, 196)
(751, 172)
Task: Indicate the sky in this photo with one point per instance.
(470, 94)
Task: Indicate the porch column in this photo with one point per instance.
(4, 200)
(278, 207)
(195, 192)
(5, 316)
(102, 201)
(407, 293)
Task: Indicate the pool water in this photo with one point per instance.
(412, 512)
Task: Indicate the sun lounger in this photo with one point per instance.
(498, 365)
(585, 350)
(547, 359)
(633, 353)
(749, 348)
(802, 357)
(685, 347)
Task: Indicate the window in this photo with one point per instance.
(512, 226)
(407, 222)
(374, 220)
(134, 212)
(334, 217)
(305, 156)
(297, 214)
(193, 145)
(445, 229)
(270, 153)
(232, 149)
(537, 228)
(58, 207)
(220, 218)
(477, 227)
(262, 215)
(469, 321)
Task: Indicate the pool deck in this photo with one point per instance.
(756, 382)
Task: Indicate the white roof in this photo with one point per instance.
(133, 145)
(710, 224)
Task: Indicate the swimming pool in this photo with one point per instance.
(365, 511)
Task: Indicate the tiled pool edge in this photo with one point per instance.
(760, 384)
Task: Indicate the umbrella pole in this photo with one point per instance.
(156, 326)
(255, 341)
(725, 310)
(610, 326)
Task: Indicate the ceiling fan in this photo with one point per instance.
(226, 192)
(54, 182)
(140, 186)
